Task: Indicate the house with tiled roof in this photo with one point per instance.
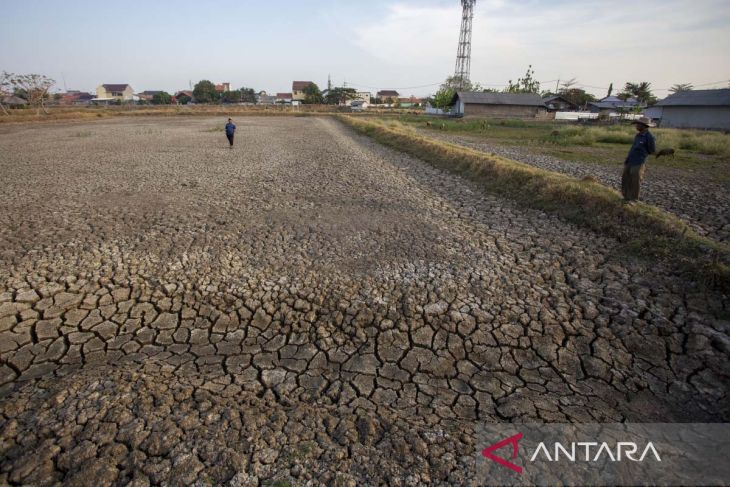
(387, 96)
(297, 89)
(114, 92)
(148, 95)
(284, 98)
(73, 97)
(410, 102)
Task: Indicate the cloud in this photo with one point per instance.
(598, 42)
(410, 35)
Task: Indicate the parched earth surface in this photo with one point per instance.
(703, 203)
(309, 308)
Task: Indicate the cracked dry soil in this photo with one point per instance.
(309, 308)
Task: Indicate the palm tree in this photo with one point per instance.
(641, 91)
(676, 88)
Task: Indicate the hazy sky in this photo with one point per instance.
(374, 44)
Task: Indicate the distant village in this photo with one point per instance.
(686, 108)
(301, 91)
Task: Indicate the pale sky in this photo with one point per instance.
(378, 44)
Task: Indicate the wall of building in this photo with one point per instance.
(696, 117)
(501, 111)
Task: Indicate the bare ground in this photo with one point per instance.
(309, 307)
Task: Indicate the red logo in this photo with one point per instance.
(512, 440)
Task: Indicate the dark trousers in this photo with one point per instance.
(631, 181)
(230, 139)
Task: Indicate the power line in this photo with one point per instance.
(713, 83)
(401, 88)
(579, 85)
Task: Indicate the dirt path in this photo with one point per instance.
(702, 203)
(307, 306)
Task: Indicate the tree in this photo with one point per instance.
(184, 99)
(443, 98)
(248, 95)
(527, 84)
(573, 94)
(312, 94)
(641, 91)
(231, 96)
(35, 87)
(162, 98)
(6, 86)
(445, 95)
(568, 84)
(676, 88)
(577, 96)
(204, 92)
(455, 83)
(340, 95)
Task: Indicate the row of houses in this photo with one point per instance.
(703, 109)
(706, 109)
(558, 103)
(123, 92)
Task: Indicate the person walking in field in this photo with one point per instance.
(230, 131)
(635, 164)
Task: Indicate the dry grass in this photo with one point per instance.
(643, 229)
(93, 113)
(556, 133)
(702, 142)
(102, 112)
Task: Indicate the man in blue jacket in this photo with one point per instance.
(634, 166)
(230, 131)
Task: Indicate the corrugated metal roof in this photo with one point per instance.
(612, 102)
(698, 98)
(520, 99)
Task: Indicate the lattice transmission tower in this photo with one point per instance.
(463, 55)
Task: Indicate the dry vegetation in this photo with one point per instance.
(696, 149)
(99, 112)
(643, 229)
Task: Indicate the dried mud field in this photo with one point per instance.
(309, 308)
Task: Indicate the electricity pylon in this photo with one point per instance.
(463, 55)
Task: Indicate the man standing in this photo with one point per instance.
(230, 131)
(644, 144)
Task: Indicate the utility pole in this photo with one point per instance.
(463, 54)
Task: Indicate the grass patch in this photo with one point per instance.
(644, 230)
(696, 149)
